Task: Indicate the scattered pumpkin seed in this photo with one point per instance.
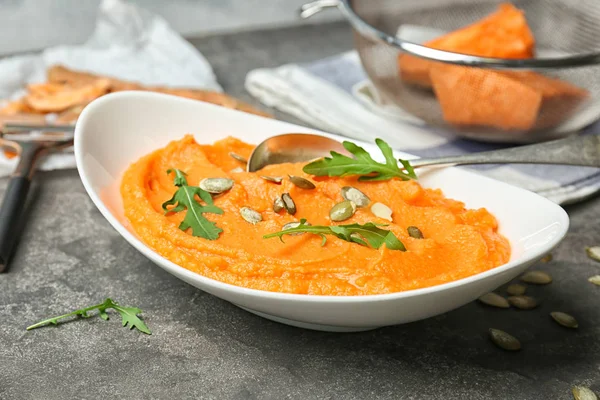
(216, 185)
(504, 340)
(274, 179)
(564, 319)
(237, 170)
(593, 252)
(595, 279)
(301, 182)
(250, 215)
(288, 203)
(546, 259)
(291, 225)
(583, 393)
(238, 157)
(342, 211)
(353, 194)
(516, 289)
(382, 211)
(536, 277)
(278, 204)
(415, 232)
(523, 302)
(494, 300)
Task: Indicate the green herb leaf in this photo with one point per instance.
(185, 199)
(129, 316)
(369, 234)
(362, 164)
(180, 179)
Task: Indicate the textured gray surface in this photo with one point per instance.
(203, 347)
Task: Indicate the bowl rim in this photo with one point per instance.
(180, 271)
(449, 57)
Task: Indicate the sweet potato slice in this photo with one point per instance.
(57, 98)
(61, 74)
(559, 98)
(503, 34)
(478, 97)
(22, 118)
(16, 107)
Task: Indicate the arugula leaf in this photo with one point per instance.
(185, 199)
(180, 176)
(369, 234)
(129, 315)
(362, 164)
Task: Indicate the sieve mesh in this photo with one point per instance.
(561, 28)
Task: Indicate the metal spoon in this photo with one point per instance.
(297, 147)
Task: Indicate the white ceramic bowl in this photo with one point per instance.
(117, 129)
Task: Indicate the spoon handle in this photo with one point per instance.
(574, 150)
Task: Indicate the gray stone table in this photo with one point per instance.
(203, 347)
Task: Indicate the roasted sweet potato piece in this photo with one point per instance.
(22, 118)
(479, 97)
(56, 98)
(503, 34)
(16, 107)
(62, 75)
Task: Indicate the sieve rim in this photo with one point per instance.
(449, 57)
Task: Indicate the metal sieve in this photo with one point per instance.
(567, 48)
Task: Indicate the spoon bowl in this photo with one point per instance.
(291, 148)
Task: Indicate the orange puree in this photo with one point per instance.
(458, 242)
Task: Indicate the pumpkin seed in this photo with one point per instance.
(564, 319)
(595, 279)
(536, 277)
(237, 170)
(238, 157)
(342, 211)
(291, 225)
(494, 300)
(216, 185)
(288, 203)
(547, 258)
(583, 393)
(516, 289)
(504, 340)
(274, 179)
(301, 182)
(523, 302)
(414, 232)
(250, 215)
(382, 211)
(593, 252)
(278, 204)
(353, 194)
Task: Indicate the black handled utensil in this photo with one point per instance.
(30, 149)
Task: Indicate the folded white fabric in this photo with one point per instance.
(334, 94)
(128, 43)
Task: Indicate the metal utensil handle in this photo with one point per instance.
(11, 213)
(15, 198)
(576, 150)
(309, 9)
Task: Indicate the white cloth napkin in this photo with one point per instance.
(334, 94)
(128, 43)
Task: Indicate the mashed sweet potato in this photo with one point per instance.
(458, 242)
